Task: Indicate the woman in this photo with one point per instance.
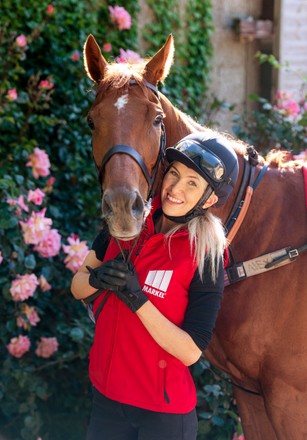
(157, 311)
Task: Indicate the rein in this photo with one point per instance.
(126, 149)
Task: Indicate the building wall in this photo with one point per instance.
(291, 45)
(235, 70)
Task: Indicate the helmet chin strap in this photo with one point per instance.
(197, 211)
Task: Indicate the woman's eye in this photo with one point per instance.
(192, 183)
(90, 123)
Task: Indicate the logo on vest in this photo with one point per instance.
(157, 282)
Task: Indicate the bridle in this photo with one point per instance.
(126, 149)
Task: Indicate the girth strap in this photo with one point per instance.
(264, 263)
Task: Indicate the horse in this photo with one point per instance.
(260, 338)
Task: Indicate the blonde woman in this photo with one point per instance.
(157, 312)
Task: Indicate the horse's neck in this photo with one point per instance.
(177, 123)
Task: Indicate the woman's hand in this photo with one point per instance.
(121, 278)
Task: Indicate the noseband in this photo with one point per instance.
(125, 149)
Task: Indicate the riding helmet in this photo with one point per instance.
(213, 158)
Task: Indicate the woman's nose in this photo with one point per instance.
(177, 186)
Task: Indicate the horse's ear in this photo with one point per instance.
(159, 65)
(94, 61)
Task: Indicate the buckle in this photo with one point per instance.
(293, 254)
(236, 273)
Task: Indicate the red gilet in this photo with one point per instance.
(126, 364)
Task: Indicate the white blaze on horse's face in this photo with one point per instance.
(121, 102)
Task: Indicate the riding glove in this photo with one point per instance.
(121, 279)
(131, 294)
(108, 276)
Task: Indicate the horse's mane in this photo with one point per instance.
(279, 159)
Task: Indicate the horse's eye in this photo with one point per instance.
(90, 122)
(158, 120)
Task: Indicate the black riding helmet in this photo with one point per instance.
(214, 159)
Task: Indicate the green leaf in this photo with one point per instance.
(30, 262)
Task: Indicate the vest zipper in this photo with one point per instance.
(113, 346)
(167, 399)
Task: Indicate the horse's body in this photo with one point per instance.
(260, 338)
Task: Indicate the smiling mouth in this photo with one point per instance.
(173, 199)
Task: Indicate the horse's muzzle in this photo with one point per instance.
(123, 210)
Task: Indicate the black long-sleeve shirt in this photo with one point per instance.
(204, 297)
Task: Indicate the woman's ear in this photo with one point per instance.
(211, 201)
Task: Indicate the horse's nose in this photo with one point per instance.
(122, 202)
(137, 206)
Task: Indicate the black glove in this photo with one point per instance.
(131, 293)
(108, 276)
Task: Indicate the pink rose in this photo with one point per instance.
(23, 287)
(31, 315)
(291, 107)
(43, 283)
(12, 95)
(36, 196)
(49, 187)
(238, 437)
(49, 9)
(120, 17)
(39, 161)
(36, 227)
(50, 244)
(107, 47)
(19, 346)
(21, 41)
(46, 347)
(1, 258)
(128, 56)
(51, 181)
(76, 252)
(75, 56)
(21, 203)
(45, 84)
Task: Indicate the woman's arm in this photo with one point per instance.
(188, 342)
(171, 338)
(80, 287)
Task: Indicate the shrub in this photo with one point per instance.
(46, 225)
(49, 213)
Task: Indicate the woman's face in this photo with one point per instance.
(181, 189)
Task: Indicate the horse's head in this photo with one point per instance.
(127, 124)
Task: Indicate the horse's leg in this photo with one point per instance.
(255, 422)
(287, 409)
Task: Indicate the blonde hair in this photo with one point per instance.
(207, 241)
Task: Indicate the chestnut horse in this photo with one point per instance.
(260, 339)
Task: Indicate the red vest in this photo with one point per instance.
(126, 364)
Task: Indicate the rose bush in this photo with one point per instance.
(280, 124)
(49, 214)
(49, 209)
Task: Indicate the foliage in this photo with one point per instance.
(188, 83)
(44, 97)
(280, 124)
(216, 409)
